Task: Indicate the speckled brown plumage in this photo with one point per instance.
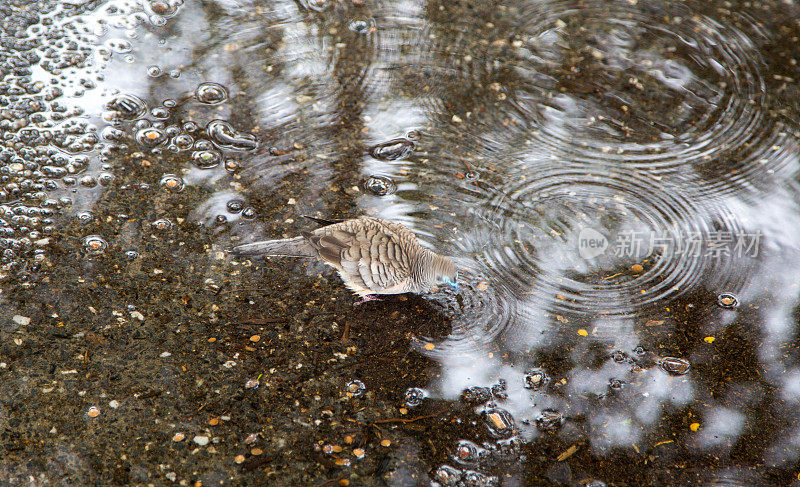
(372, 256)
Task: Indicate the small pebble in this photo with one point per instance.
(239, 459)
(358, 452)
(201, 440)
(256, 451)
(213, 421)
(637, 268)
(21, 320)
(694, 426)
(93, 412)
(178, 437)
(255, 338)
(385, 443)
(113, 404)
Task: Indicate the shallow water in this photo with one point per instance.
(616, 180)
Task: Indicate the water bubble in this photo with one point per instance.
(360, 26)
(162, 8)
(206, 159)
(674, 365)
(499, 422)
(318, 5)
(203, 144)
(413, 397)
(154, 71)
(235, 206)
(476, 395)
(183, 142)
(549, 420)
(225, 136)
(448, 476)
(120, 46)
(172, 183)
(620, 357)
(499, 390)
(467, 452)
(111, 133)
(615, 384)
(249, 213)
(129, 106)
(536, 379)
(231, 165)
(472, 478)
(105, 179)
(131, 255)
(175, 73)
(162, 224)
(150, 137)
(95, 244)
(85, 217)
(727, 301)
(379, 185)
(355, 387)
(393, 150)
(211, 93)
(160, 113)
(413, 135)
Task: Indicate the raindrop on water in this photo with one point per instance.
(355, 387)
(414, 397)
(172, 183)
(211, 93)
(95, 244)
(727, 301)
(206, 159)
(128, 106)
(536, 379)
(549, 420)
(150, 137)
(225, 136)
(674, 365)
(499, 422)
(393, 150)
(379, 185)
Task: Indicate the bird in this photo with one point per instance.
(372, 256)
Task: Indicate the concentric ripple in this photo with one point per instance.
(481, 310)
(677, 243)
(654, 87)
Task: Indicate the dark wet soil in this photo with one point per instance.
(137, 148)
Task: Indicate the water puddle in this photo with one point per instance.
(616, 181)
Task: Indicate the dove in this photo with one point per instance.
(372, 256)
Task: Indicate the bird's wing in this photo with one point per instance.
(367, 255)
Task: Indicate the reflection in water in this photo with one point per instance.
(616, 181)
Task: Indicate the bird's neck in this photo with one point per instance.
(423, 273)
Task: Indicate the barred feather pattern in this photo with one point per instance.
(372, 256)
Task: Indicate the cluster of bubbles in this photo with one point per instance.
(155, 130)
(46, 146)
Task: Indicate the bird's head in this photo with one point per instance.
(446, 272)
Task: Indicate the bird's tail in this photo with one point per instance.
(288, 247)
